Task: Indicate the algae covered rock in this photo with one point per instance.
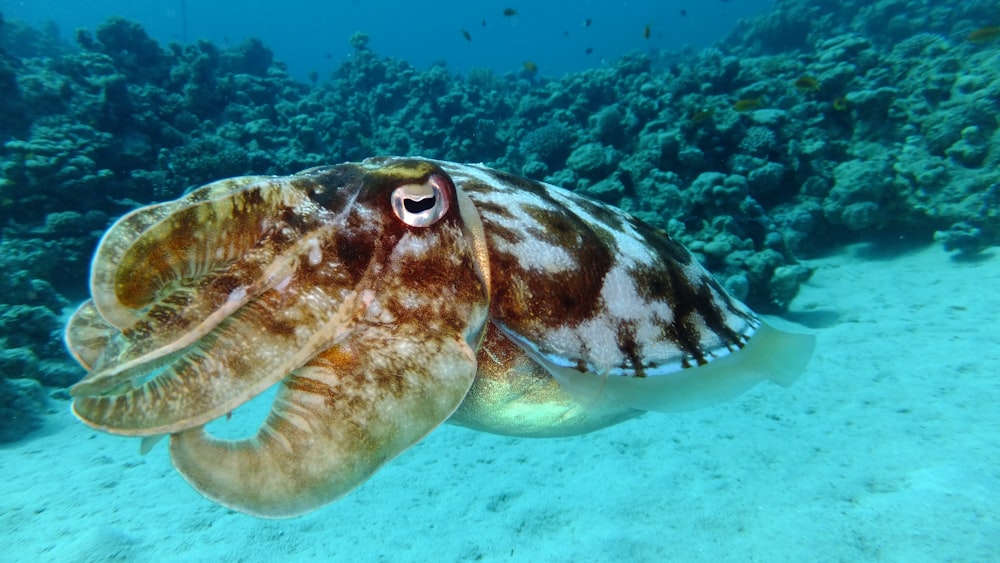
(22, 402)
(592, 161)
(863, 194)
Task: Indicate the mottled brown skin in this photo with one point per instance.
(373, 345)
(533, 304)
(382, 298)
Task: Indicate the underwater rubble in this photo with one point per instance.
(816, 125)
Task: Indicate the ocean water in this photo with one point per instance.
(313, 36)
(832, 165)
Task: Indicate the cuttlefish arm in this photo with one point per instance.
(210, 320)
(360, 288)
(335, 421)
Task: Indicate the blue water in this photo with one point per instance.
(313, 35)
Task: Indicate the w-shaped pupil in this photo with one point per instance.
(418, 205)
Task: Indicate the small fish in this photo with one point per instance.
(749, 104)
(702, 115)
(840, 103)
(589, 50)
(466, 35)
(484, 23)
(984, 34)
(587, 22)
(509, 12)
(684, 12)
(646, 30)
(529, 67)
(806, 83)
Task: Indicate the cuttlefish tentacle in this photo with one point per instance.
(334, 423)
(404, 367)
(153, 246)
(165, 282)
(196, 352)
(248, 352)
(88, 334)
(210, 329)
(370, 325)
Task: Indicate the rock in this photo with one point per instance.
(609, 125)
(971, 149)
(59, 373)
(860, 216)
(22, 402)
(18, 363)
(691, 158)
(609, 190)
(592, 161)
(717, 248)
(534, 170)
(765, 180)
(863, 194)
(738, 286)
(961, 237)
(785, 284)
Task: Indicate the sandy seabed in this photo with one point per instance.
(888, 449)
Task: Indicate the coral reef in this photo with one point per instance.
(817, 124)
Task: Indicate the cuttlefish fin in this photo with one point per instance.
(770, 355)
(334, 422)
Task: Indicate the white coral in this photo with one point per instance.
(758, 141)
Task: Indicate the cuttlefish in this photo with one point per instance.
(384, 298)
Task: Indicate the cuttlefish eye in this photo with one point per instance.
(421, 205)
